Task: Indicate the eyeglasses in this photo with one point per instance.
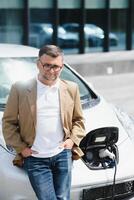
(48, 66)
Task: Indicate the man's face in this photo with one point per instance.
(49, 67)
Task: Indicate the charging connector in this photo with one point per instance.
(106, 153)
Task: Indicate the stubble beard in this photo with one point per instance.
(51, 78)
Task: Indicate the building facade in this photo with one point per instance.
(78, 26)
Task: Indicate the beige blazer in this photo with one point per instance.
(19, 119)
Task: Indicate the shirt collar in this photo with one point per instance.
(42, 85)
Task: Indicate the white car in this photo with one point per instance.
(107, 168)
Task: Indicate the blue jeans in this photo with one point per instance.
(50, 177)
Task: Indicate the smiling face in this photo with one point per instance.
(49, 68)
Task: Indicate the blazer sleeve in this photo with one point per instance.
(78, 127)
(10, 122)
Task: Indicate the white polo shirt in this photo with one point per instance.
(49, 130)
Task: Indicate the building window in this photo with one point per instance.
(118, 29)
(11, 22)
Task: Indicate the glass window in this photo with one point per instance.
(41, 18)
(40, 4)
(118, 29)
(94, 33)
(119, 4)
(42, 15)
(12, 70)
(11, 22)
(69, 22)
(67, 74)
(95, 4)
(69, 4)
(133, 26)
(88, 97)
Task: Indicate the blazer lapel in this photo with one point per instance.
(63, 92)
(32, 95)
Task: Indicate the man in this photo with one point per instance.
(43, 122)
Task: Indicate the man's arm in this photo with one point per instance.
(10, 122)
(78, 127)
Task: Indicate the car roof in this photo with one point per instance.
(16, 50)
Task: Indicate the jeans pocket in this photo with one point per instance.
(68, 153)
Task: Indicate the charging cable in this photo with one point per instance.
(113, 187)
(106, 153)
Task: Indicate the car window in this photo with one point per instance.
(12, 70)
(88, 97)
(15, 69)
(68, 75)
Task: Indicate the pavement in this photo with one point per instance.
(100, 63)
(117, 89)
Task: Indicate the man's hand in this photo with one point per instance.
(67, 144)
(27, 152)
